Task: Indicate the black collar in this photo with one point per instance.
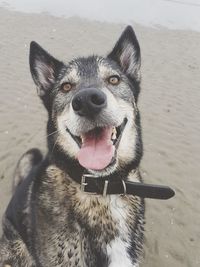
(99, 186)
(109, 185)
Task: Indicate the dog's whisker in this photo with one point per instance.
(57, 131)
(54, 144)
(26, 140)
(31, 137)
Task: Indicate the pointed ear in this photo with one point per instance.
(44, 68)
(127, 53)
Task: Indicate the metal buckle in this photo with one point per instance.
(84, 183)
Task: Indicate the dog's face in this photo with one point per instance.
(92, 103)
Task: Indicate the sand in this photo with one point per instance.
(169, 104)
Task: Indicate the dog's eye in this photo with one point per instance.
(66, 87)
(114, 80)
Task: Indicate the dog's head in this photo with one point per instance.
(92, 104)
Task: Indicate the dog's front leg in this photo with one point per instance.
(13, 253)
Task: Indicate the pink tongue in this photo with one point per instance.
(97, 151)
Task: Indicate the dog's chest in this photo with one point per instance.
(117, 249)
(94, 230)
(106, 222)
(96, 233)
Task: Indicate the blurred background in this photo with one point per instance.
(169, 36)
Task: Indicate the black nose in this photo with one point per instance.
(89, 102)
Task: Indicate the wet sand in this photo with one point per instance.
(169, 104)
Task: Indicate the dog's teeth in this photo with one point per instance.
(114, 134)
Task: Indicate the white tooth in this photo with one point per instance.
(114, 134)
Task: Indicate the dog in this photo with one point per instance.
(63, 211)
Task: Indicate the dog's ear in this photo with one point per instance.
(44, 68)
(127, 53)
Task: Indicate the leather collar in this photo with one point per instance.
(101, 186)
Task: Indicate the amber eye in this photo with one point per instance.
(114, 80)
(66, 87)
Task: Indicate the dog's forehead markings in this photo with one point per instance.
(80, 68)
(71, 74)
(105, 70)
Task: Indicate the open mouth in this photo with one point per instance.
(98, 147)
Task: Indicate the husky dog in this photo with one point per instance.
(63, 212)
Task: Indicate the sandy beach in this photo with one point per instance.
(170, 111)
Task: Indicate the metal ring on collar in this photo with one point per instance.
(124, 186)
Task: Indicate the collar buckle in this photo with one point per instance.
(84, 183)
